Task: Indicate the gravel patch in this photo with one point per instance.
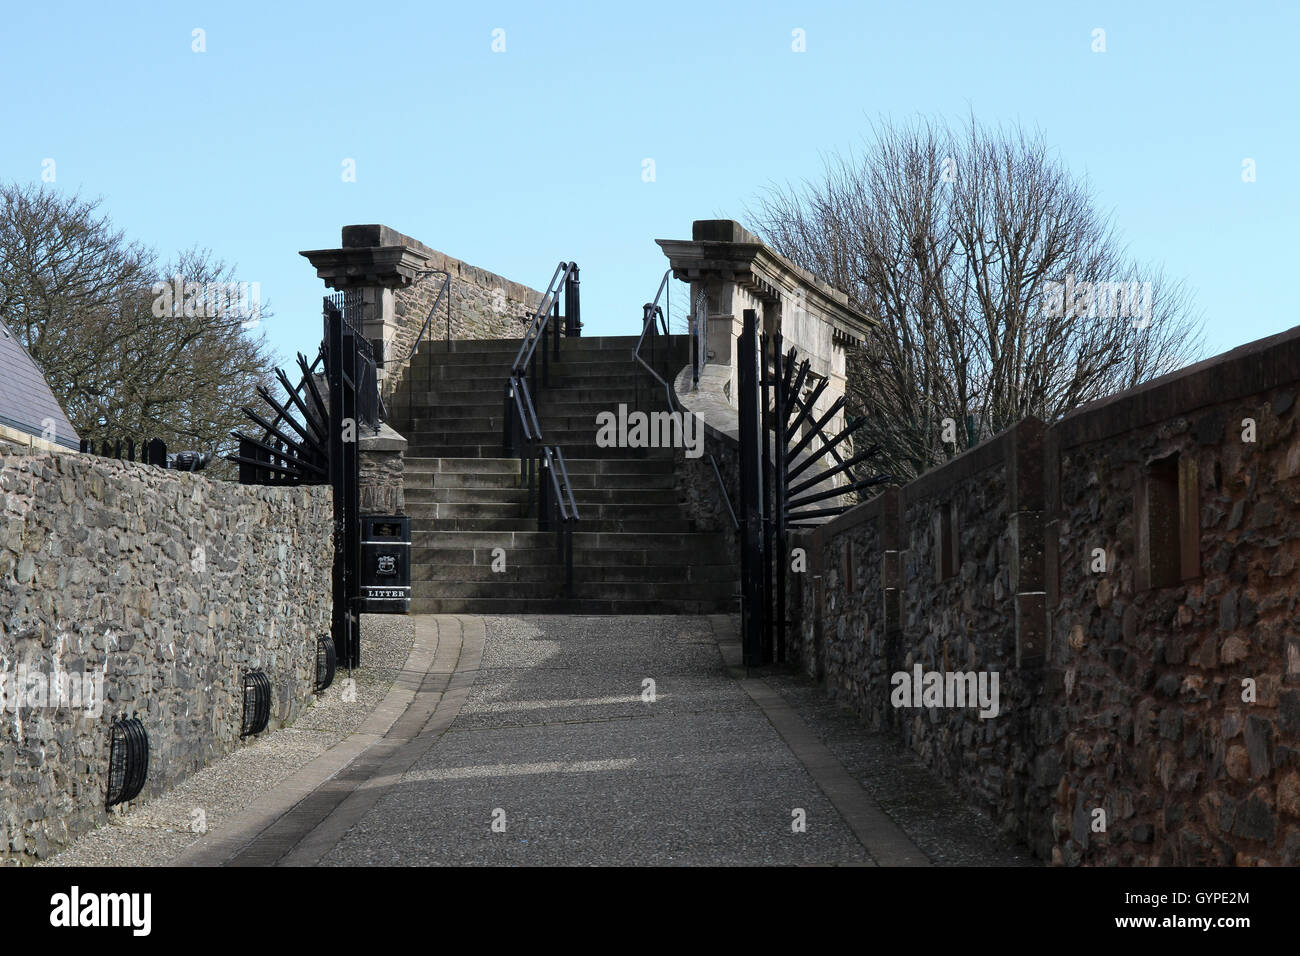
(947, 829)
(157, 832)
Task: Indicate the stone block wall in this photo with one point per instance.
(165, 584)
(484, 305)
(934, 576)
(1178, 673)
(1132, 573)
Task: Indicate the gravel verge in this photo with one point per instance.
(947, 829)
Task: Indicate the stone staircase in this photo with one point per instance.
(635, 550)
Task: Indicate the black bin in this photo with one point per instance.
(385, 564)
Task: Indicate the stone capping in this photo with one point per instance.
(388, 266)
(440, 260)
(721, 419)
(376, 254)
(724, 248)
(988, 454)
(1250, 369)
(882, 505)
(1020, 447)
(386, 439)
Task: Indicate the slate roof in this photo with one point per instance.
(25, 398)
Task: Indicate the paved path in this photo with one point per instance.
(535, 741)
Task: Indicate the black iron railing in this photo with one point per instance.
(654, 322)
(152, 452)
(557, 510)
(548, 320)
(426, 335)
(364, 377)
(278, 457)
(541, 466)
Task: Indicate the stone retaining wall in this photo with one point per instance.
(1131, 574)
(167, 585)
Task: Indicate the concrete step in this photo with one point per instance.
(581, 343)
(574, 363)
(450, 383)
(590, 524)
(517, 508)
(532, 547)
(613, 485)
(630, 497)
(571, 451)
(621, 574)
(575, 606)
(489, 391)
(491, 419)
(503, 465)
(592, 590)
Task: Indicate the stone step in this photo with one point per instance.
(618, 573)
(576, 606)
(581, 343)
(491, 423)
(476, 547)
(482, 551)
(607, 485)
(590, 524)
(491, 419)
(571, 451)
(576, 362)
(447, 381)
(491, 395)
(628, 497)
(584, 589)
(516, 507)
(500, 464)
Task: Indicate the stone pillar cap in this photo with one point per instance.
(371, 255)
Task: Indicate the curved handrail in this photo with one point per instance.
(537, 324)
(444, 290)
(568, 487)
(650, 313)
(523, 401)
(521, 421)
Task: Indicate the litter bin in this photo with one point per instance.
(385, 564)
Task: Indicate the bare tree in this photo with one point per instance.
(1001, 290)
(125, 355)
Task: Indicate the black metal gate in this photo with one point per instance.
(313, 439)
(781, 439)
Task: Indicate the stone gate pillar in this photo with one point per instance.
(375, 260)
(736, 271)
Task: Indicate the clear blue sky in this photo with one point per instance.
(515, 160)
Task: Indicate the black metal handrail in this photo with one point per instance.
(565, 277)
(551, 493)
(653, 318)
(557, 507)
(424, 333)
